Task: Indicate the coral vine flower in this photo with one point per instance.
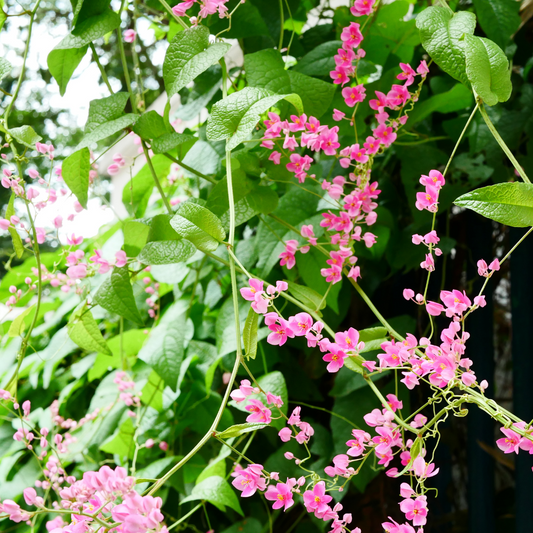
(249, 293)
(249, 480)
(259, 413)
(415, 510)
(335, 358)
(317, 500)
(281, 495)
(280, 333)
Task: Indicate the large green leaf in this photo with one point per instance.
(260, 200)
(166, 252)
(498, 18)
(441, 31)
(165, 348)
(116, 295)
(507, 203)
(266, 70)
(63, 63)
(198, 225)
(25, 135)
(215, 490)
(188, 55)
(76, 169)
(121, 442)
(487, 69)
(236, 116)
(319, 61)
(84, 331)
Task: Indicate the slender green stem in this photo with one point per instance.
(332, 413)
(125, 67)
(184, 517)
(190, 169)
(101, 68)
(23, 70)
(156, 179)
(501, 142)
(178, 19)
(282, 22)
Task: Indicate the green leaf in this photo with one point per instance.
(106, 130)
(169, 141)
(507, 203)
(309, 297)
(371, 334)
(63, 63)
(15, 237)
(5, 67)
(165, 348)
(25, 135)
(260, 200)
(236, 116)
(166, 252)
(103, 110)
(121, 442)
(441, 31)
(239, 429)
(249, 335)
(116, 295)
(188, 55)
(84, 331)
(18, 325)
(86, 9)
(487, 69)
(354, 363)
(457, 98)
(320, 61)
(498, 18)
(266, 70)
(198, 225)
(76, 169)
(215, 490)
(151, 125)
(135, 237)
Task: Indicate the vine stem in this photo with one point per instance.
(156, 179)
(190, 169)
(125, 64)
(178, 19)
(101, 68)
(184, 517)
(501, 142)
(238, 357)
(23, 71)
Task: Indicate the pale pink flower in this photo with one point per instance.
(129, 36)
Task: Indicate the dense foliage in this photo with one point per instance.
(280, 321)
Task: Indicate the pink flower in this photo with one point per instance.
(353, 95)
(285, 434)
(351, 36)
(423, 69)
(281, 495)
(435, 179)
(280, 333)
(335, 358)
(456, 302)
(129, 36)
(480, 301)
(249, 293)
(259, 413)
(275, 157)
(384, 134)
(121, 258)
(58, 221)
(317, 499)
(347, 340)
(428, 199)
(410, 380)
(300, 324)
(422, 469)
(407, 74)
(510, 443)
(74, 241)
(249, 480)
(408, 294)
(415, 510)
(77, 271)
(4, 224)
(362, 8)
(338, 115)
(181, 9)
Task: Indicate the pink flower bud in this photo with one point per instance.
(163, 445)
(149, 443)
(30, 495)
(408, 294)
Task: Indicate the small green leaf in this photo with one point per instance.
(188, 55)
(507, 203)
(169, 141)
(84, 331)
(309, 297)
(215, 490)
(116, 295)
(121, 442)
(103, 110)
(198, 225)
(63, 63)
(441, 31)
(166, 252)
(487, 69)
(249, 335)
(15, 237)
(236, 116)
(18, 325)
(239, 429)
(76, 169)
(151, 125)
(370, 334)
(354, 363)
(5, 67)
(106, 130)
(25, 135)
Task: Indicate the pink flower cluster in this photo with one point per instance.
(306, 431)
(513, 441)
(260, 298)
(429, 199)
(259, 413)
(207, 7)
(127, 389)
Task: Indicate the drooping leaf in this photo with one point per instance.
(507, 203)
(15, 237)
(63, 63)
(151, 125)
(116, 295)
(487, 69)
(236, 116)
(19, 325)
(239, 429)
(441, 31)
(106, 130)
(25, 135)
(188, 55)
(215, 490)
(249, 335)
(84, 331)
(198, 225)
(75, 172)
